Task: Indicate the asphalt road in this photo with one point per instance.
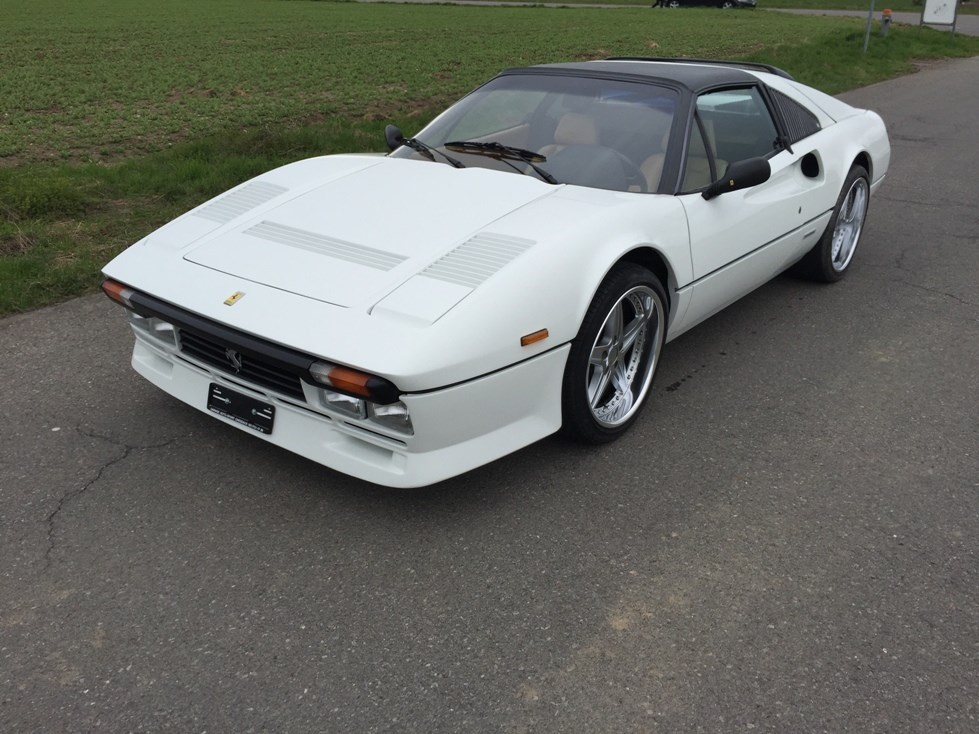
(787, 541)
(965, 24)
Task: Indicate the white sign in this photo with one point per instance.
(941, 12)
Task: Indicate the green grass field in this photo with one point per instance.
(115, 115)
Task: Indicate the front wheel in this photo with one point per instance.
(615, 355)
(829, 259)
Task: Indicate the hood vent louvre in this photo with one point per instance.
(323, 245)
(233, 205)
(476, 259)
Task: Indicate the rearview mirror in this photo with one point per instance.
(393, 136)
(740, 175)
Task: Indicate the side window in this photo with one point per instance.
(737, 124)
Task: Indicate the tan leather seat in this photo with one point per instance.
(572, 129)
(652, 167)
(652, 170)
(697, 173)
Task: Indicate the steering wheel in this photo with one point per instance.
(633, 173)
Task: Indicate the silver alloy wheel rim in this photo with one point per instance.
(849, 223)
(628, 342)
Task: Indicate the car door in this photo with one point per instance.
(740, 239)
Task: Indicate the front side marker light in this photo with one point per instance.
(537, 336)
(118, 292)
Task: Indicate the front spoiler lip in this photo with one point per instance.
(454, 432)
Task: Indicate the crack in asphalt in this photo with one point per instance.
(899, 263)
(936, 291)
(923, 202)
(67, 497)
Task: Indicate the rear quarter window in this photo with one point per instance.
(799, 122)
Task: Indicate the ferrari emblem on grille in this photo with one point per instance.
(234, 298)
(233, 357)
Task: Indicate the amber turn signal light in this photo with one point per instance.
(118, 292)
(537, 336)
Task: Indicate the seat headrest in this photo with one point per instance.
(576, 129)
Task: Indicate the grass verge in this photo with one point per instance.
(119, 114)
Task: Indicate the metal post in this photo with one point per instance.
(870, 20)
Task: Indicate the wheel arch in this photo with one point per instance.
(654, 261)
(863, 159)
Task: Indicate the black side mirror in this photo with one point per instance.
(393, 136)
(740, 175)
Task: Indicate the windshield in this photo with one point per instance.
(602, 133)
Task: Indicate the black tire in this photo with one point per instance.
(830, 258)
(624, 330)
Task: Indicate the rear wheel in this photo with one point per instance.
(829, 260)
(615, 355)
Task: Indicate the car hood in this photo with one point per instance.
(357, 228)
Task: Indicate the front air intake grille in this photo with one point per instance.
(246, 367)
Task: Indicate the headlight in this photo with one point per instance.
(154, 327)
(354, 407)
(394, 416)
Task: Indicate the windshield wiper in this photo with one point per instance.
(504, 153)
(394, 137)
(427, 150)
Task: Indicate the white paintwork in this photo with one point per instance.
(577, 234)
(456, 429)
(311, 246)
(354, 259)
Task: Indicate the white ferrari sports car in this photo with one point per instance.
(512, 270)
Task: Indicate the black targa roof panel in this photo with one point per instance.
(693, 76)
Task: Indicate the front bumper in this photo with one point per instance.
(456, 428)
